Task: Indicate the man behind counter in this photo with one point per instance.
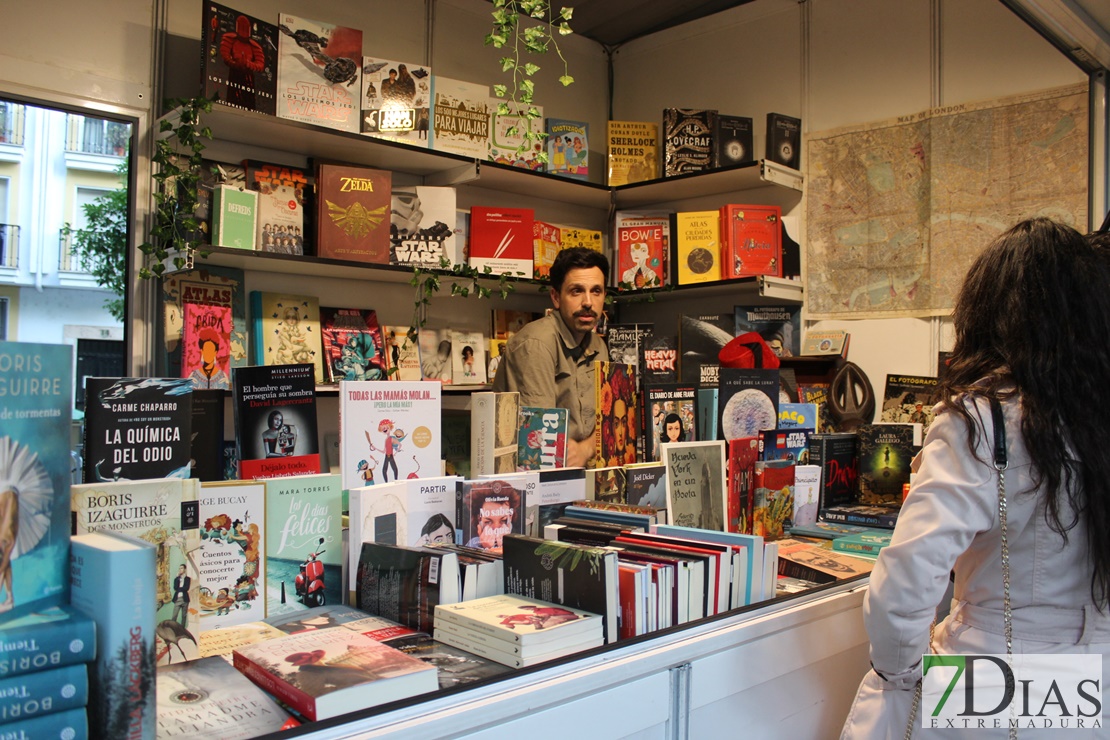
(550, 361)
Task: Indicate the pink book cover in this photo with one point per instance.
(206, 345)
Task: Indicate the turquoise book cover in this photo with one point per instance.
(304, 542)
(56, 636)
(72, 724)
(44, 692)
(36, 402)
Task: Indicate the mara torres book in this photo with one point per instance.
(35, 406)
(751, 241)
(670, 410)
(632, 151)
(421, 228)
(732, 141)
(616, 426)
(494, 422)
(240, 59)
(113, 581)
(542, 438)
(352, 344)
(784, 140)
(405, 584)
(688, 140)
(195, 699)
(501, 239)
(642, 249)
(885, 452)
(747, 401)
(389, 431)
(206, 286)
(137, 428)
(568, 148)
(282, 196)
(165, 513)
(460, 117)
(696, 485)
(52, 637)
(909, 399)
(304, 542)
(275, 420)
(328, 672)
(319, 73)
(697, 247)
(229, 558)
(396, 100)
(779, 326)
(287, 330)
(507, 144)
(353, 213)
(700, 339)
(208, 323)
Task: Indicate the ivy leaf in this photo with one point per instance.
(500, 90)
(530, 69)
(566, 13)
(566, 80)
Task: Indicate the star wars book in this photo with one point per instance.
(286, 330)
(352, 344)
(501, 239)
(35, 405)
(396, 100)
(732, 141)
(885, 452)
(568, 148)
(747, 402)
(422, 228)
(688, 144)
(751, 241)
(784, 140)
(696, 485)
(642, 249)
(909, 399)
(319, 73)
(240, 59)
(460, 117)
(283, 193)
(353, 213)
(507, 144)
(632, 152)
(275, 420)
(137, 428)
(616, 425)
(670, 415)
(697, 247)
(208, 286)
(232, 542)
(700, 339)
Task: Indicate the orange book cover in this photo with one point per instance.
(353, 213)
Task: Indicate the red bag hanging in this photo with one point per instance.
(748, 350)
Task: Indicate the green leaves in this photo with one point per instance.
(427, 283)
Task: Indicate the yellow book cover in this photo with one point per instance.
(698, 245)
(633, 152)
(576, 237)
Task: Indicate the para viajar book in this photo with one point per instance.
(275, 420)
(137, 428)
(240, 59)
(36, 409)
(319, 73)
(389, 430)
(460, 117)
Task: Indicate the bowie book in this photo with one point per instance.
(751, 241)
(352, 344)
(670, 410)
(319, 73)
(286, 330)
(282, 196)
(632, 151)
(542, 438)
(229, 558)
(137, 428)
(501, 239)
(388, 431)
(747, 402)
(642, 249)
(568, 148)
(507, 144)
(697, 247)
(779, 326)
(240, 59)
(396, 100)
(460, 117)
(165, 513)
(616, 426)
(732, 141)
(205, 286)
(353, 213)
(422, 228)
(909, 399)
(36, 410)
(275, 420)
(696, 485)
(304, 542)
(688, 144)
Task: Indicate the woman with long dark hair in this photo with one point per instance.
(1032, 323)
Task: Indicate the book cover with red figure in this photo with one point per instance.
(352, 343)
(240, 59)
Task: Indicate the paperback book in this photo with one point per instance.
(546, 241)
(460, 117)
(304, 542)
(396, 100)
(501, 239)
(319, 73)
(489, 508)
(207, 435)
(751, 238)
(405, 584)
(435, 353)
(208, 334)
(206, 286)
(646, 485)
(46, 638)
(642, 248)
(632, 151)
(885, 452)
(230, 568)
(670, 416)
(700, 340)
(772, 498)
(742, 454)
(234, 217)
(494, 424)
(222, 640)
(779, 326)
(421, 229)
(688, 144)
(240, 59)
(468, 357)
(696, 484)
(352, 344)
(836, 455)
(909, 399)
(275, 420)
(389, 431)
(524, 621)
(282, 195)
(784, 140)
(807, 490)
(287, 330)
(542, 438)
(568, 148)
(402, 353)
(507, 144)
(616, 426)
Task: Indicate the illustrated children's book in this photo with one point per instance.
(287, 330)
(232, 545)
(275, 420)
(752, 241)
(352, 344)
(389, 431)
(240, 59)
(319, 73)
(568, 148)
(163, 512)
(35, 463)
(507, 144)
(396, 100)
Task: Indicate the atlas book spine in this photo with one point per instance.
(688, 140)
(44, 692)
(240, 59)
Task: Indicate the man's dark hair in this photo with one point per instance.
(576, 258)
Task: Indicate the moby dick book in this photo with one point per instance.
(319, 73)
(275, 420)
(35, 407)
(164, 512)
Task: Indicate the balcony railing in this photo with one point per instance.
(11, 123)
(9, 245)
(96, 136)
(67, 261)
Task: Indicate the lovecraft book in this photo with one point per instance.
(688, 144)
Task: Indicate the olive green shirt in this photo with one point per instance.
(543, 363)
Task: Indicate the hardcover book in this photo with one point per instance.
(137, 428)
(572, 236)
(206, 449)
(319, 73)
(287, 330)
(405, 584)
(825, 343)
(48, 638)
(422, 228)
(122, 693)
(304, 542)
(352, 344)
(784, 140)
(328, 672)
(835, 454)
(43, 692)
(779, 326)
(460, 117)
(671, 415)
(494, 422)
(819, 565)
(507, 144)
(632, 152)
(545, 245)
(402, 353)
(206, 286)
(207, 334)
(707, 412)
(882, 517)
(688, 144)
(396, 100)
(748, 402)
(197, 697)
(751, 239)
(232, 541)
(772, 498)
(488, 509)
(616, 426)
(36, 407)
(468, 357)
(275, 420)
(732, 140)
(742, 454)
(697, 247)
(282, 196)
(501, 239)
(568, 148)
(555, 490)
(353, 213)
(234, 217)
(696, 484)
(798, 416)
(885, 453)
(390, 427)
(642, 249)
(700, 339)
(807, 490)
(542, 438)
(863, 543)
(909, 399)
(607, 484)
(785, 444)
(505, 322)
(240, 59)
(222, 640)
(72, 723)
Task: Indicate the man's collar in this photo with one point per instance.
(567, 337)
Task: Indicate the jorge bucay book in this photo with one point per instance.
(165, 512)
(275, 420)
(327, 672)
(319, 73)
(113, 580)
(232, 543)
(396, 101)
(34, 474)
